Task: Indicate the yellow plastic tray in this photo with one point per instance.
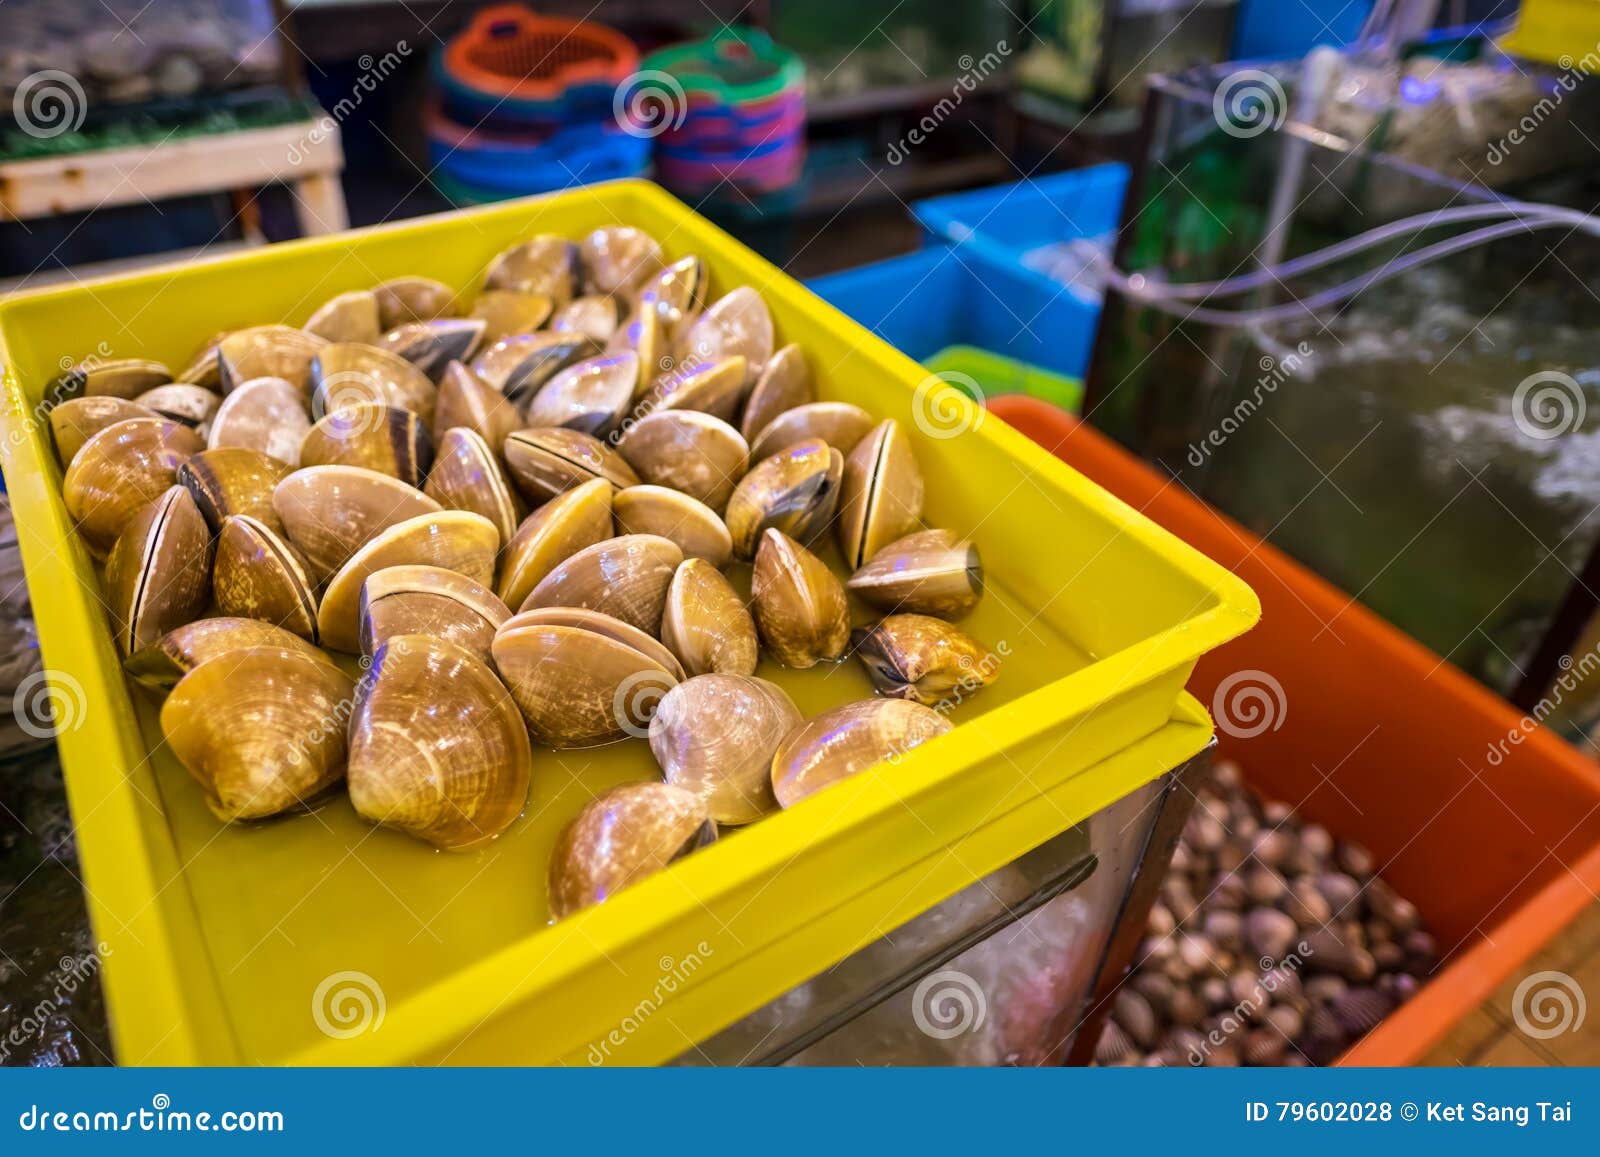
(223, 940)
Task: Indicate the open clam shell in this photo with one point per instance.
(839, 424)
(545, 264)
(506, 312)
(437, 748)
(847, 741)
(330, 512)
(556, 531)
(267, 414)
(349, 316)
(429, 600)
(158, 575)
(794, 491)
(881, 496)
(547, 460)
(621, 837)
(715, 735)
(233, 481)
(404, 299)
(375, 437)
(672, 514)
(624, 577)
(466, 402)
(159, 665)
(931, 572)
(923, 658)
(737, 323)
(785, 383)
(594, 316)
(268, 351)
(121, 469)
(432, 345)
(347, 375)
(260, 729)
(518, 365)
(466, 475)
(686, 450)
(258, 575)
(706, 624)
(591, 396)
(800, 607)
(75, 421)
(617, 259)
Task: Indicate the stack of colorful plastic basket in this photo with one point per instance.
(524, 104)
(726, 111)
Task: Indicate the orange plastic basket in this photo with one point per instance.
(510, 52)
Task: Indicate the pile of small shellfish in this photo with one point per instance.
(530, 514)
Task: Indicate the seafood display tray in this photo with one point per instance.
(246, 943)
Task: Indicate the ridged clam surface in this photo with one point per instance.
(258, 575)
(466, 475)
(931, 572)
(233, 481)
(429, 600)
(553, 533)
(706, 624)
(687, 450)
(621, 837)
(800, 607)
(624, 577)
(330, 512)
(715, 735)
(119, 471)
(159, 665)
(264, 414)
(847, 741)
(795, 491)
(158, 575)
(923, 658)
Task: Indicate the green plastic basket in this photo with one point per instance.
(980, 374)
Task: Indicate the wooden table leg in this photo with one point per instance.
(319, 204)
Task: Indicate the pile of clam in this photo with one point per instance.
(534, 516)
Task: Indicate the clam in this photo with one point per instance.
(559, 529)
(881, 497)
(258, 575)
(544, 461)
(712, 386)
(785, 383)
(931, 572)
(800, 606)
(121, 469)
(194, 406)
(158, 574)
(76, 420)
(672, 514)
(847, 741)
(233, 481)
(577, 678)
(546, 265)
(715, 735)
(641, 336)
(509, 311)
(686, 450)
(429, 600)
(794, 491)
(437, 749)
(349, 316)
(705, 623)
(518, 365)
(617, 259)
(621, 837)
(260, 728)
(593, 316)
(268, 351)
(591, 396)
(432, 345)
(406, 299)
(466, 475)
(623, 577)
(159, 665)
(612, 628)
(330, 512)
(124, 378)
(466, 402)
(203, 368)
(452, 539)
(839, 424)
(676, 295)
(267, 414)
(347, 374)
(923, 658)
(737, 324)
(373, 436)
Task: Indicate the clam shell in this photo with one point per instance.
(452, 539)
(931, 572)
(617, 259)
(593, 316)
(641, 335)
(158, 575)
(124, 378)
(686, 450)
(794, 491)
(258, 575)
(267, 414)
(76, 420)
(847, 741)
(712, 386)
(738, 323)
(260, 729)
(621, 837)
(923, 658)
(347, 375)
(330, 512)
(194, 406)
(785, 383)
(375, 437)
(881, 497)
(233, 481)
(800, 606)
(159, 665)
(839, 424)
(715, 735)
(120, 470)
(268, 351)
(466, 402)
(432, 345)
(349, 316)
(623, 577)
(693, 525)
(428, 600)
(591, 396)
(706, 625)
(506, 312)
(466, 475)
(676, 295)
(545, 264)
(587, 620)
(558, 530)
(203, 369)
(437, 748)
(518, 365)
(545, 461)
(406, 299)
